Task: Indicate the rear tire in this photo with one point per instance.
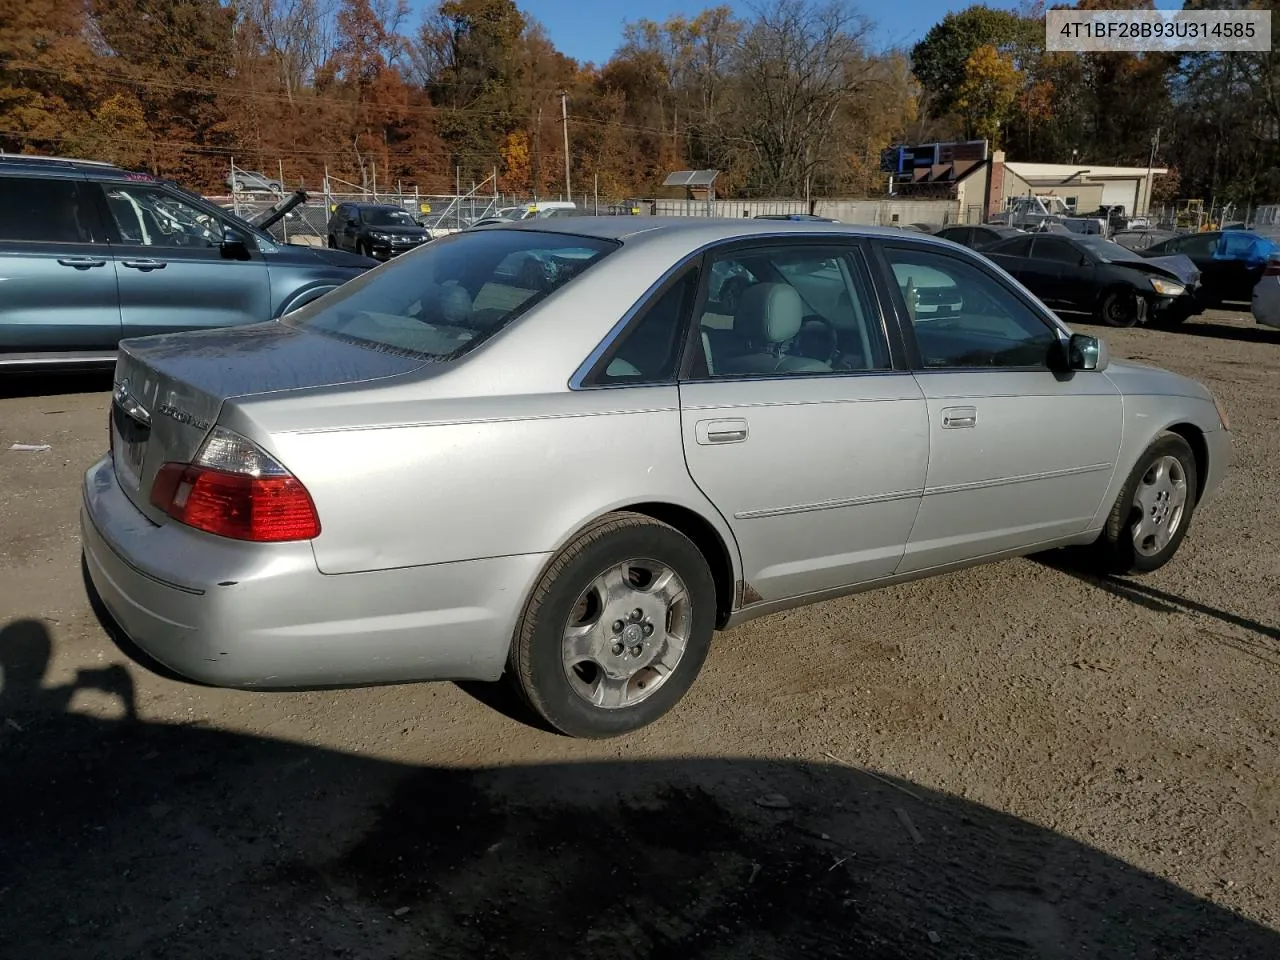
(1150, 517)
(1117, 308)
(616, 629)
(333, 244)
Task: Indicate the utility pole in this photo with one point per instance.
(537, 155)
(564, 118)
(1151, 162)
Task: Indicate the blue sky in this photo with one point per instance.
(592, 29)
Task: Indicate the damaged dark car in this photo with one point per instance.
(1114, 285)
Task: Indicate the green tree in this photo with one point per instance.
(939, 59)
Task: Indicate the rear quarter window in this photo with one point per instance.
(445, 299)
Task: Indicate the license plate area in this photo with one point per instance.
(128, 446)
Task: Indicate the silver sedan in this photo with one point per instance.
(552, 451)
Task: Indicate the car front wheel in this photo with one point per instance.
(1150, 517)
(1118, 308)
(617, 628)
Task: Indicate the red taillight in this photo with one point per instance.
(236, 505)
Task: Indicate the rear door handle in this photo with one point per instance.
(82, 263)
(954, 418)
(720, 431)
(144, 264)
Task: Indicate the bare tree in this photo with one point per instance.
(799, 63)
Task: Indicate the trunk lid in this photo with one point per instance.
(170, 389)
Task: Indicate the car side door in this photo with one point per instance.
(1011, 255)
(1020, 454)
(172, 268)
(1041, 271)
(57, 279)
(816, 466)
(1068, 272)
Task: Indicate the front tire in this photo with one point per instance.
(1117, 308)
(1150, 517)
(616, 629)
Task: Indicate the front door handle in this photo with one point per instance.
(144, 264)
(955, 418)
(82, 263)
(720, 431)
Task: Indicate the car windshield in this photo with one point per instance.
(444, 300)
(386, 217)
(1106, 249)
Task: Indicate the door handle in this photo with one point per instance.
(954, 418)
(144, 264)
(720, 431)
(82, 263)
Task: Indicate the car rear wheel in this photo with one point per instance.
(617, 628)
(1150, 517)
(1118, 308)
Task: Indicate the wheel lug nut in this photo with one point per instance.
(648, 629)
(617, 626)
(637, 614)
(617, 649)
(637, 650)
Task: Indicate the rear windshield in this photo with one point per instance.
(1107, 249)
(386, 217)
(447, 297)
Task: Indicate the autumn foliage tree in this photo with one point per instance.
(790, 98)
(987, 92)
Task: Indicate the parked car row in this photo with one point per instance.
(1138, 276)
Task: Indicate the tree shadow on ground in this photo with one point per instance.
(1264, 644)
(133, 839)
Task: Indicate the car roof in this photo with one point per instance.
(701, 230)
(370, 205)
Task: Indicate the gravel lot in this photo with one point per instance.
(1012, 761)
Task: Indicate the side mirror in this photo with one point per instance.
(352, 222)
(1084, 260)
(235, 245)
(1087, 353)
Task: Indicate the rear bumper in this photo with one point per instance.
(238, 614)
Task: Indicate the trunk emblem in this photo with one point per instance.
(183, 417)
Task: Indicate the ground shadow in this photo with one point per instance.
(49, 383)
(1073, 564)
(1196, 327)
(141, 840)
(1216, 331)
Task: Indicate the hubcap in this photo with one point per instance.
(626, 634)
(1160, 502)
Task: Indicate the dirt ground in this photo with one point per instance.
(1013, 761)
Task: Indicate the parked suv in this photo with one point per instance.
(377, 230)
(91, 254)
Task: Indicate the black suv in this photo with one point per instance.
(91, 254)
(377, 230)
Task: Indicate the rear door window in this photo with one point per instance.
(46, 210)
(442, 301)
